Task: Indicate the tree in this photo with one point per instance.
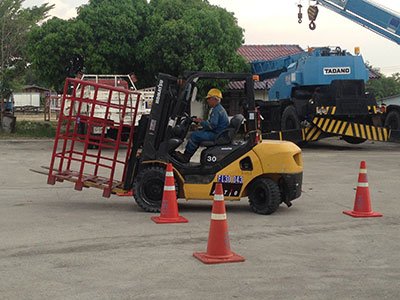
(384, 86)
(190, 35)
(121, 36)
(53, 45)
(105, 33)
(15, 24)
(115, 34)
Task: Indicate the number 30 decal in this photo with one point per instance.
(211, 158)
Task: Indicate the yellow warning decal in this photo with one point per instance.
(331, 110)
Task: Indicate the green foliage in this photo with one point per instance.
(15, 24)
(121, 36)
(384, 86)
(190, 35)
(33, 129)
(105, 34)
(116, 27)
(60, 40)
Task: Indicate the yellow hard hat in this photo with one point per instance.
(214, 93)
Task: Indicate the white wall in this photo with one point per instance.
(261, 95)
(390, 100)
(197, 109)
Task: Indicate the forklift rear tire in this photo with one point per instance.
(264, 196)
(149, 188)
(290, 120)
(392, 120)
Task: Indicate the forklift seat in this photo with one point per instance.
(226, 136)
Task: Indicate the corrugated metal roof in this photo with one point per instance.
(373, 74)
(36, 87)
(267, 52)
(258, 85)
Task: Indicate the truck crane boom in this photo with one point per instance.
(368, 14)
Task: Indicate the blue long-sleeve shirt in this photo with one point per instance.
(217, 121)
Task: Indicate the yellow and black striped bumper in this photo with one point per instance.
(339, 127)
(322, 127)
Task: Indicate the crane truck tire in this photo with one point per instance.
(289, 119)
(392, 120)
(264, 196)
(353, 140)
(149, 187)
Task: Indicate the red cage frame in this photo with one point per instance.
(71, 146)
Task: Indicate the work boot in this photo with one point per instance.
(182, 157)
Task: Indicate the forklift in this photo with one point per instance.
(267, 172)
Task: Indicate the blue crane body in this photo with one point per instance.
(321, 92)
(317, 67)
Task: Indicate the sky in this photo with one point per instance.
(275, 22)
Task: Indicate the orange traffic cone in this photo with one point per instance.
(169, 205)
(218, 248)
(362, 203)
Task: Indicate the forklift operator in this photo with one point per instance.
(218, 121)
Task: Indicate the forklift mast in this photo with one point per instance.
(165, 98)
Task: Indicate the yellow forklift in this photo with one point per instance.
(267, 172)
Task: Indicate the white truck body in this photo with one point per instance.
(26, 99)
(123, 81)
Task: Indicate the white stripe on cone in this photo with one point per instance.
(169, 188)
(170, 174)
(219, 197)
(363, 184)
(218, 217)
(363, 171)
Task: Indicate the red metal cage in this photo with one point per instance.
(94, 135)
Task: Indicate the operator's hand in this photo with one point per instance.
(197, 120)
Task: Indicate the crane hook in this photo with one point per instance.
(312, 16)
(300, 14)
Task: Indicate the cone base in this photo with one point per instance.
(161, 220)
(206, 259)
(356, 214)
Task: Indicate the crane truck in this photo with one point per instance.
(321, 92)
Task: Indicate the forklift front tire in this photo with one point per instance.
(264, 196)
(149, 187)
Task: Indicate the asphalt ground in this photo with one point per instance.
(57, 243)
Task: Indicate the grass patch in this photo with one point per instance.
(32, 129)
